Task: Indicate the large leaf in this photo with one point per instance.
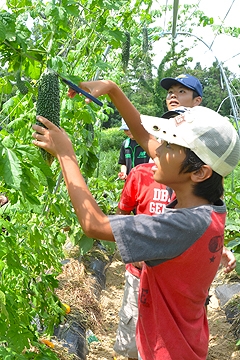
(7, 26)
(237, 256)
(2, 32)
(85, 244)
(12, 171)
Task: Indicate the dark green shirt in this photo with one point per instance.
(132, 154)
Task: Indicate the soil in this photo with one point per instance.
(104, 316)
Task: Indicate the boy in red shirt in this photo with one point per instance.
(183, 244)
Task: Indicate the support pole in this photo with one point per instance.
(175, 12)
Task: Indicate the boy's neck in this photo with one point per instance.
(189, 200)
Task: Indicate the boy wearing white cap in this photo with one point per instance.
(140, 195)
(146, 196)
(179, 246)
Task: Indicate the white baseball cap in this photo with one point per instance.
(208, 134)
(124, 126)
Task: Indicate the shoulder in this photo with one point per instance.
(142, 170)
(133, 142)
(124, 144)
(200, 217)
(145, 167)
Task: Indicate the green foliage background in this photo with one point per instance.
(81, 40)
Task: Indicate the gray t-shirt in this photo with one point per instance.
(158, 238)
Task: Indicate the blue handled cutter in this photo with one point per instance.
(80, 91)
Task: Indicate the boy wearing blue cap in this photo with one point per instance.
(183, 90)
(198, 148)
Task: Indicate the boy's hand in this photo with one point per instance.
(138, 264)
(95, 88)
(228, 260)
(122, 176)
(52, 139)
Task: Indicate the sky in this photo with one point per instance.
(225, 49)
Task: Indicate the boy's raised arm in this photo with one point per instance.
(54, 140)
(126, 109)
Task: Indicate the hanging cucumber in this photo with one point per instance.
(48, 103)
(145, 40)
(126, 51)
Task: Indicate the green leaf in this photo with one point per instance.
(31, 198)
(12, 171)
(234, 243)
(13, 261)
(2, 298)
(2, 265)
(20, 339)
(5, 87)
(237, 256)
(2, 32)
(85, 244)
(109, 245)
(51, 10)
(8, 104)
(8, 142)
(72, 10)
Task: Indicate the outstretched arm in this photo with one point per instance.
(126, 109)
(54, 140)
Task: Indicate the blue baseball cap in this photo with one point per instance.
(186, 80)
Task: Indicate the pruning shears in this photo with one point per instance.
(80, 91)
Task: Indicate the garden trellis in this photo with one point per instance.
(174, 33)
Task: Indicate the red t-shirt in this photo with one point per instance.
(181, 250)
(172, 322)
(143, 193)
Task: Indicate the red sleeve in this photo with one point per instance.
(128, 199)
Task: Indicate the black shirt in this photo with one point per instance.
(132, 154)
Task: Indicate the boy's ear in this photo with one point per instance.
(202, 174)
(197, 100)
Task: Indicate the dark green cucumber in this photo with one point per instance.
(48, 103)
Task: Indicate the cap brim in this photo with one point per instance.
(177, 111)
(166, 83)
(169, 114)
(163, 129)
